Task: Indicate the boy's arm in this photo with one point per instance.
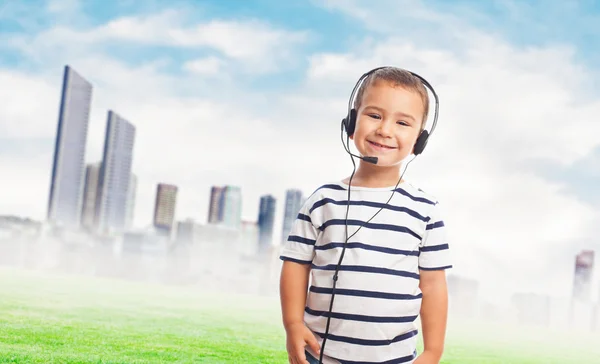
(434, 313)
(293, 286)
(434, 260)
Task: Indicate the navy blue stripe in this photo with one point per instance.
(359, 268)
(371, 294)
(435, 225)
(353, 340)
(434, 248)
(404, 359)
(363, 318)
(370, 225)
(367, 247)
(437, 268)
(326, 201)
(331, 187)
(299, 239)
(418, 199)
(301, 216)
(295, 260)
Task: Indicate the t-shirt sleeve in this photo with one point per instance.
(300, 244)
(434, 248)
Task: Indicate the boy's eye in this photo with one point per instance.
(374, 116)
(403, 123)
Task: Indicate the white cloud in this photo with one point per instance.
(28, 103)
(256, 45)
(203, 66)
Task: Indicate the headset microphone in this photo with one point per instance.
(366, 159)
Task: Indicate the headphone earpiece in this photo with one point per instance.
(421, 142)
(350, 122)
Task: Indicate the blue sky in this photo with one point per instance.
(252, 93)
(536, 23)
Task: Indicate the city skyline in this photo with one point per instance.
(105, 201)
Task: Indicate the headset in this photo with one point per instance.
(349, 124)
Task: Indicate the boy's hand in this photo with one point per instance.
(298, 336)
(427, 357)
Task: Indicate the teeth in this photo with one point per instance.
(379, 145)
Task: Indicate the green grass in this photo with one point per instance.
(54, 319)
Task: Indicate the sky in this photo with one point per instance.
(252, 94)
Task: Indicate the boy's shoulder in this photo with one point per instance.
(326, 189)
(419, 193)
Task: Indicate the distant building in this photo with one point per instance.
(115, 175)
(249, 235)
(225, 206)
(164, 207)
(67, 180)
(582, 280)
(186, 232)
(293, 203)
(266, 218)
(232, 207)
(92, 174)
(215, 210)
(130, 209)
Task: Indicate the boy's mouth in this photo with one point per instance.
(380, 145)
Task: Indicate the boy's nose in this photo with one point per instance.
(385, 128)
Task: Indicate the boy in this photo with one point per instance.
(394, 263)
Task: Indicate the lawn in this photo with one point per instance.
(56, 319)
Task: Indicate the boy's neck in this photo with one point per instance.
(369, 175)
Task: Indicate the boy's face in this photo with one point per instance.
(388, 123)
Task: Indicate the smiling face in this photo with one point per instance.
(388, 122)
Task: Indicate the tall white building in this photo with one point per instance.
(130, 210)
(68, 168)
(232, 207)
(92, 175)
(115, 175)
(293, 203)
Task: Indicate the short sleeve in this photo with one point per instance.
(300, 244)
(434, 249)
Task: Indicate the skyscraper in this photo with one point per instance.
(225, 206)
(130, 210)
(266, 218)
(115, 175)
(293, 203)
(582, 280)
(90, 192)
(66, 183)
(215, 210)
(164, 207)
(232, 207)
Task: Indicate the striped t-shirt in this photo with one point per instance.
(377, 298)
